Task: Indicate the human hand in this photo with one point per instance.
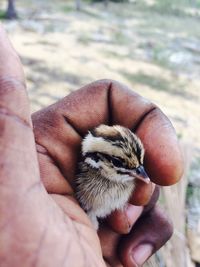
(43, 218)
(59, 130)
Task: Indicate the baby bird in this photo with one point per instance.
(112, 158)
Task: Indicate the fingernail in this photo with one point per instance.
(152, 187)
(141, 253)
(133, 213)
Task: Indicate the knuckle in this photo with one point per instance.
(13, 100)
(164, 223)
(10, 84)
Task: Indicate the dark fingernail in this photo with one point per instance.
(133, 213)
(141, 253)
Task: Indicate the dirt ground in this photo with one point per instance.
(156, 54)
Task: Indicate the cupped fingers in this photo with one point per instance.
(122, 221)
(142, 193)
(163, 158)
(149, 234)
(109, 244)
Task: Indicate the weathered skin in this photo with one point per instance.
(41, 223)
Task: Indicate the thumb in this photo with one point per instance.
(18, 161)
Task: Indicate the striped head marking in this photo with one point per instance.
(115, 151)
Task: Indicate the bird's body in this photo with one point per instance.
(112, 159)
(100, 196)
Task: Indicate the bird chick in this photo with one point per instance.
(112, 159)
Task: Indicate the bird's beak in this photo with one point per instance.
(140, 174)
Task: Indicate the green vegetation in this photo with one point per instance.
(84, 39)
(158, 58)
(174, 7)
(170, 7)
(113, 54)
(91, 13)
(2, 14)
(120, 38)
(67, 8)
(154, 82)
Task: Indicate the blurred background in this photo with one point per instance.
(153, 46)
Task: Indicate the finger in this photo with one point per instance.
(13, 97)
(122, 221)
(17, 149)
(10, 63)
(109, 243)
(50, 174)
(149, 234)
(163, 158)
(142, 193)
(153, 200)
(60, 128)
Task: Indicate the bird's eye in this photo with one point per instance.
(117, 162)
